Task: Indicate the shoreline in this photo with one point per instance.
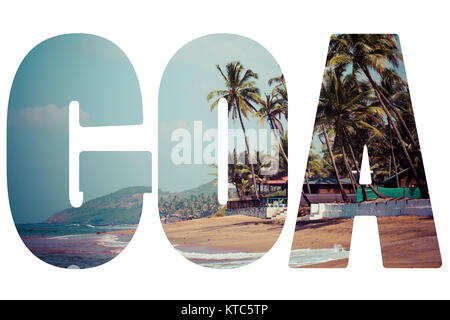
(406, 241)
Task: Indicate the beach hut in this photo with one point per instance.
(405, 178)
(326, 190)
(277, 184)
(327, 185)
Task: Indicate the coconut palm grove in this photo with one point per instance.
(364, 100)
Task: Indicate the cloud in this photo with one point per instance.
(47, 117)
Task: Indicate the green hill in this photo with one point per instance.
(206, 189)
(125, 206)
(120, 207)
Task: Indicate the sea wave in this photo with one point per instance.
(221, 256)
(305, 257)
(111, 241)
(209, 257)
(66, 237)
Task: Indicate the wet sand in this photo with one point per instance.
(406, 241)
(341, 263)
(124, 232)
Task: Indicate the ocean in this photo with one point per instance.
(86, 246)
(73, 245)
(228, 259)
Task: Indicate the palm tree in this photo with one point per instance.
(283, 147)
(241, 94)
(269, 110)
(233, 172)
(312, 158)
(396, 90)
(317, 164)
(374, 52)
(280, 92)
(262, 163)
(343, 107)
(345, 198)
(239, 173)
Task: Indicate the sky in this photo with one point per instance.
(95, 72)
(188, 78)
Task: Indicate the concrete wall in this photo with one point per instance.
(272, 211)
(259, 212)
(415, 207)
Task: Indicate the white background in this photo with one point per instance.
(297, 35)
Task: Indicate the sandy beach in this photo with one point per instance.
(237, 232)
(406, 241)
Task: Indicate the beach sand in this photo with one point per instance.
(406, 241)
(247, 234)
(124, 232)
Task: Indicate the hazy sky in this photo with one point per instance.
(188, 78)
(79, 67)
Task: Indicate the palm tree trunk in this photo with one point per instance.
(306, 198)
(350, 174)
(378, 194)
(347, 166)
(405, 127)
(394, 162)
(363, 189)
(399, 117)
(350, 146)
(283, 152)
(423, 191)
(395, 167)
(393, 108)
(308, 174)
(364, 193)
(248, 150)
(338, 180)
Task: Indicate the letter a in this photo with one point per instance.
(364, 101)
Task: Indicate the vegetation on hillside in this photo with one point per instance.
(120, 207)
(192, 207)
